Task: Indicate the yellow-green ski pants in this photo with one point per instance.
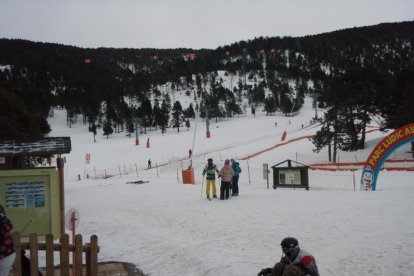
(211, 182)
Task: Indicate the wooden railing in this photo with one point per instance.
(91, 255)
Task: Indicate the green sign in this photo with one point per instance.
(265, 171)
(290, 176)
(32, 200)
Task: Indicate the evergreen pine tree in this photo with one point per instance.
(107, 128)
(177, 115)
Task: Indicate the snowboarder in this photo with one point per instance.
(235, 181)
(211, 169)
(295, 262)
(226, 173)
(149, 164)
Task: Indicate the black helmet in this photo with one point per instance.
(210, 160)
(290, 246)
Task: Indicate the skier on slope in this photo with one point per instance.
(211, 170)
(295, 262)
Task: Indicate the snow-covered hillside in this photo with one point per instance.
(168, 228)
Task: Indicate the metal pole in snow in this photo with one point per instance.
(248, 171)
(353, 176)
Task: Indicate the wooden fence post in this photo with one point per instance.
(92, 257)
(64, 248)
(34, 258)
(64, 256)
(78, 255)
(17, 266)
(50, 267)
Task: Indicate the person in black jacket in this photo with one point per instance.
(235, 181)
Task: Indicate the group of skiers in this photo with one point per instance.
(229, 175)
(295, 261)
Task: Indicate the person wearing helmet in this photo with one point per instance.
(294, 262)
(211, 169)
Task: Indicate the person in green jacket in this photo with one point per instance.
(211, 170)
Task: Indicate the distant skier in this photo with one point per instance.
(211, 169)
(235, 181)
(226, 173)
(295, 262)
(149, 164)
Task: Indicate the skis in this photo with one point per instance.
(209, 198)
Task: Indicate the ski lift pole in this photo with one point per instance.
(207, 122)
(284, 133)
(136, 131)
(192, 147)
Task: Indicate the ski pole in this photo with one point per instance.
(202, 184)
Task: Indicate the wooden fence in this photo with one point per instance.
(91, 255)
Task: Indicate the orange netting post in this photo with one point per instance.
(284, 134)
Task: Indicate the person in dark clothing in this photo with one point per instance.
(226, 173)
(149, 163)
(294, 262)
(7, 253)
(26, 264)
(235, 181)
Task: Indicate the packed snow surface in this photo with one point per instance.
(166, 227)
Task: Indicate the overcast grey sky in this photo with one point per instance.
(187, 23)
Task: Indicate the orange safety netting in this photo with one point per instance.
(275, 146)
